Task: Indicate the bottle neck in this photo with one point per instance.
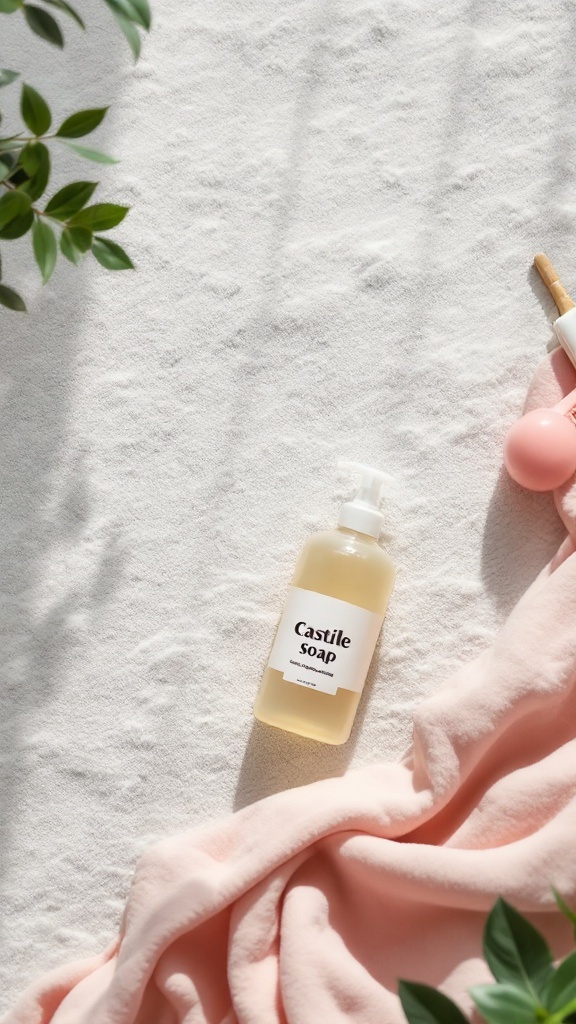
(361, 518)
(366, 538)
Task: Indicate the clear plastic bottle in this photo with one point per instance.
(331, 621)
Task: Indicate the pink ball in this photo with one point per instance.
(540, 450)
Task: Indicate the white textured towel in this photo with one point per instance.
(335, 208)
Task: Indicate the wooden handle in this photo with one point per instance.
(553, 283)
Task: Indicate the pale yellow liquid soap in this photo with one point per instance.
(326, 636)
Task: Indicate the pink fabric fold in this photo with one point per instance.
(309, 905)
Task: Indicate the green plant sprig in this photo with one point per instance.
(24, 174)
(25, 160)
(528, 988)
(131, 15)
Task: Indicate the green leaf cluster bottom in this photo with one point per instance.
(528, 988)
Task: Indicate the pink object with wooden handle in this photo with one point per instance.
(540, 449)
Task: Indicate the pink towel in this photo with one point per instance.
(308, 906)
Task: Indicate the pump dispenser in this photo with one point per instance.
(331, 621)
(363, 512)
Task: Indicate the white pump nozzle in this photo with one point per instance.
(363, 512)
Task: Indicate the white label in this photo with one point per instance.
(324, 643)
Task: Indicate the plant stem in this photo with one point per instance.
(557, 1018)
(31, 138)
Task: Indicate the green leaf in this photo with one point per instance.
(143, 13)
(111, 255)
(35, 111)
(44, 25)
(562, 988)
(70, 199)
(4, 170)
(13, 205)
(74, 242)
(130, 32)
(563, 906)
(6, 77)
(515, 951)
(81, 238)
(503, 1004)
(29, 158)
(15, 215)
(68, 248)
(92, 154)
(45, 248)
(11, 299)
(68, 9)
(37, 155)
(18, 226)
(137, 11)
(9, 6)
(100, 217)
(82, 123)
(423, 1004)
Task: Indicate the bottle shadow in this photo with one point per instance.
(275, 760)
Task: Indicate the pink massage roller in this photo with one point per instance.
(540, 448)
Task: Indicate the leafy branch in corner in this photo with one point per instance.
(131, 16)
(65, 221)
(528, 988)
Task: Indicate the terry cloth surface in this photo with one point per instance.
(310, 904)
(334, 209)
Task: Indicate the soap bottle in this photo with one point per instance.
(331, 621)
